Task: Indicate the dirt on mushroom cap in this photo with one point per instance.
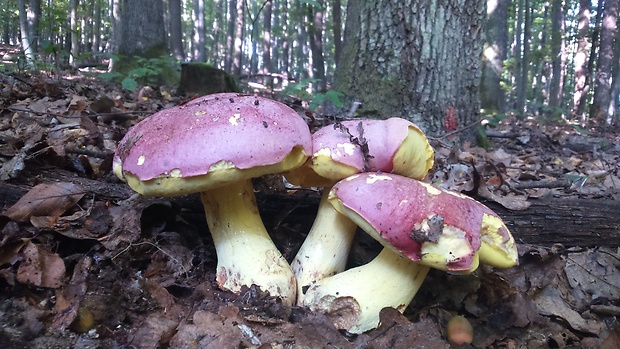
(397, 207)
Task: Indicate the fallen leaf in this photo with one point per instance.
(594, 272)
(209, 330)
(68, 299)
(613, 340)
(9, 251)
(550, 303)
(40, 267)
(46, 200)
(154, 331)
(515, 203)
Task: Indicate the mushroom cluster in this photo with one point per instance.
(371, 172)
(394, 145)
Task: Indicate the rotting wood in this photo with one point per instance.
(571, 222)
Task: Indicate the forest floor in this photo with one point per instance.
(84, 263)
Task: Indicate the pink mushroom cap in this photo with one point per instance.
(424, 223)
(393, 145)
(218, 131)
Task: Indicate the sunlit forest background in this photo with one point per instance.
(552, 60)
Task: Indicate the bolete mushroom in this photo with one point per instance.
(393, 145)
(420, 226)
(215, 145)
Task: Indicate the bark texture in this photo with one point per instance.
(419, 60)
(581, 56)
(602, 83)
(493, 56)
(557, 52)
(144, 36)
(176, 30)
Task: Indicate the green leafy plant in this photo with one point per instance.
(314, 100)
(495, 119)
(146, 71)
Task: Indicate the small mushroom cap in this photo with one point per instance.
(394, 145)
(438, 228)
(460, 330)
(209, 142)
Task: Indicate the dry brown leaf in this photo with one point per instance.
(9, 251)
(46, 200)
(550, 303)
(515, 203)
(209, 330)
(156, 330)
(40, 267)
(501, 156)
(68, 298)
(613, 340)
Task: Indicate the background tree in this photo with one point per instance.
(34, 22)
(315, 13)
(199, 31)
(581, 69)
(549, 63)
(267, 14)
(602, 82)
(143, 31)
(496, 40)
(176, 30)
(557, 48)
(414, 59)
(26, 35)
(75, 35)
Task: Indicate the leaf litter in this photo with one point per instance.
(84, 263)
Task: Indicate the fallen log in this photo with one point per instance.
(571, 222)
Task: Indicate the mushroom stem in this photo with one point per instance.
(354, 298)
(245, 252)
(326, 248)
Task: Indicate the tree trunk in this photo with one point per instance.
(143, 30)
(581, 69)
(540, 65)
(25, 33)
(299, 57)
(96, 39)
(199, 31)
(238, 48)
(116, 30)
(75, 35)
(415, 59)
(286, 51)
(525, 59)
(602, 82)
(267, 12)
(557, 54)
(176, 31)
(218, 22)
(615, 82)
(593, 50)
(518, 56)
(315, 13)
(254, 38)
(493, 56)
(337, 29)
(230, 35)
(34, 23)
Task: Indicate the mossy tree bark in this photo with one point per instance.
(142, 33)
(419, 60)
